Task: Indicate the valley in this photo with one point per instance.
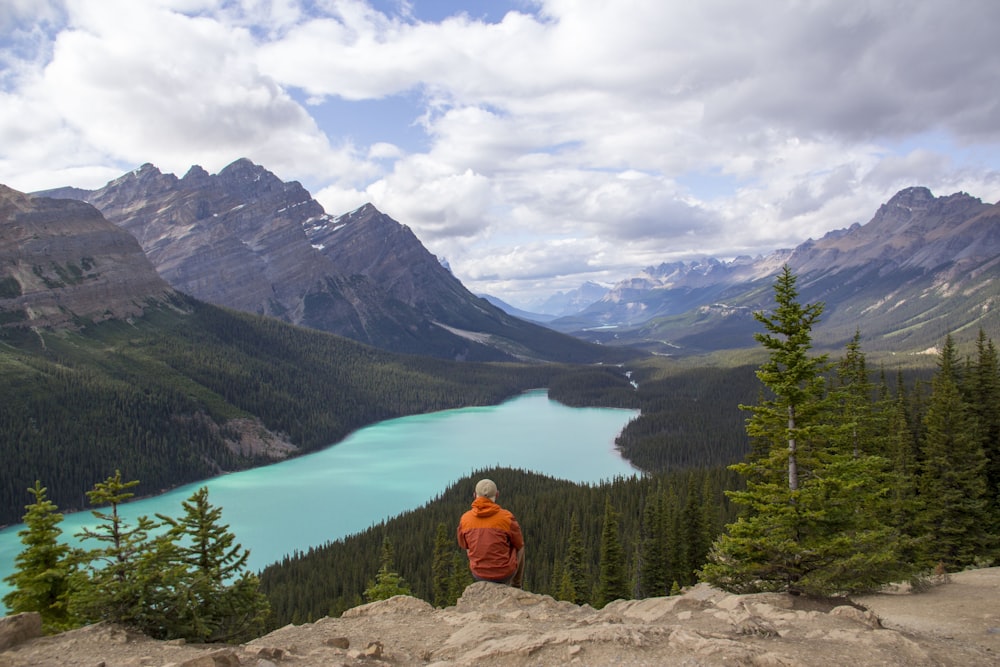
(174, 387)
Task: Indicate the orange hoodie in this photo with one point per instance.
(492, 537)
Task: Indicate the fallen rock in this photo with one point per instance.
(19, 628)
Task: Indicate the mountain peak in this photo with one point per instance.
(911, 196)
(242, 166)
(244, 169)
(195, 173)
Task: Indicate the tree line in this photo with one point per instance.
(328, 579)
(849, 486)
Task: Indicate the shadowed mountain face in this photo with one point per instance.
(922, 267)
(62, 263)
(244, 239)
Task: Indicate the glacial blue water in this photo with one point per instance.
(383, 470)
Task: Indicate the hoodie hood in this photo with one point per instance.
(484, 507)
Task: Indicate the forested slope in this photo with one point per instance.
(329, 579)
(664, 523)
(156, 397)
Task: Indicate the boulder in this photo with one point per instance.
(19, 628)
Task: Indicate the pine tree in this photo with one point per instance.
(612, 583)
(441, 566)
(903, 501)
(697, 540)
(461, 577)
(122, 579)
(387, 582)
(41, 578)
(984, 399)
(952, 484)
(220, 601)
(573, 585)
(854, 395)
(793, 416)
(654, 553)
(813, 509)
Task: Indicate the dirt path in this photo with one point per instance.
(967, 609)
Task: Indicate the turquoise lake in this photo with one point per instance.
(383, 470)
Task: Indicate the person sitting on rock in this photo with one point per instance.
(492, 539)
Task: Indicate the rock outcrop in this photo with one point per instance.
(62, 263)
(19, 628)
(953, 624)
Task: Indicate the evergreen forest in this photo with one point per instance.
(785, 469)
(156, 397)
(803, 475)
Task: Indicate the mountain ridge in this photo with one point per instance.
(922, 267)
(247, 240)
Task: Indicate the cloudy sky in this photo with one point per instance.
(534, 144)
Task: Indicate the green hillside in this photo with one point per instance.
(177, 395)
(328, 579)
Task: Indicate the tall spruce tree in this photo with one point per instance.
(984, 399)
(697, 539)
(461, 577)
(612, 583)
(42, 571)
(854, 397)
(573, 583)
(952, 519)
(217, 599)
(901, 452)
(655, 571)
(810, 524)
(441, 566)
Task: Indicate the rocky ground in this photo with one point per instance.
(955, 623)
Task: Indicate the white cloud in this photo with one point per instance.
(581, 141)
(151, 82)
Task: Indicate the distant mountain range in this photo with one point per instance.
(244, 239)
(921, 268)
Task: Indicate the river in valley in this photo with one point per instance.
(384, 470)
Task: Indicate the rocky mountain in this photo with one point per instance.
(62, 263)
(244, 239)
(922, 267)
(517, 312)
(951, 625)
(573, 301)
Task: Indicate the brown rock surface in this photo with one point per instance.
(61, 260)
(950, 625)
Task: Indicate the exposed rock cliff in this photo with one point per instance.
(234, 239)
(913, 230)
(954, 624)
(244, 239)
(62, 263)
